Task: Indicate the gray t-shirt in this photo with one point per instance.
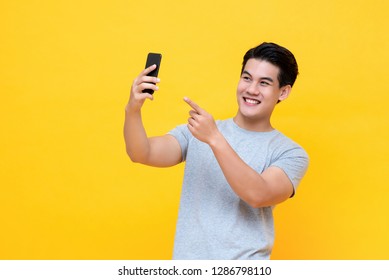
(213, 222)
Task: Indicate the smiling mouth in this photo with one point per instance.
(251, 101)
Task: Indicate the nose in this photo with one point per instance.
(253, 89)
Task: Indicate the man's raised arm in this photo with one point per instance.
(160, 151)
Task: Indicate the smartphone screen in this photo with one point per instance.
(153, 58)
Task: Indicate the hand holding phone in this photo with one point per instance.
(153, 58)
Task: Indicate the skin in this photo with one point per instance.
(257, 94)
(161, 151)
(258, 84)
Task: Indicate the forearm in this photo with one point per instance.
(137, 142)
(247, 183)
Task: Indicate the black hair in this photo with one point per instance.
(278, 56)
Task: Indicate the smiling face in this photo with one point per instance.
(257, 94)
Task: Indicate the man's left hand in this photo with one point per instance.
(201, 124)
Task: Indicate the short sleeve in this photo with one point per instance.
(294, 162)
(183, 136)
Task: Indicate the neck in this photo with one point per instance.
(253, 124)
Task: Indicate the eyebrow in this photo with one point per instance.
(262, 78)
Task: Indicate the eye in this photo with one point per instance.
(263, 83)
(246, 78)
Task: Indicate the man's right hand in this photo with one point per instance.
(142, 82)
(161, 151)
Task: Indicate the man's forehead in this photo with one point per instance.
(261, 68)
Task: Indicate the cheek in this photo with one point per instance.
(241, 88)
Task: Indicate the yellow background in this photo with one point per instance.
(68, 190)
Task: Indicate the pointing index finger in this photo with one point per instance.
(192, 104)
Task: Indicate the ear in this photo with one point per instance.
(284, 93)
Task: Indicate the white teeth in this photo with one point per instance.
(252, 101)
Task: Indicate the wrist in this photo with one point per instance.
(131, 109)
(217, 141)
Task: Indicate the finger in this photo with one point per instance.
(140, 95)
(192, 125)
(193, 114)
(144, 82)
(149, 69)
(190, 128)
(144, 86)
(192, 104)
(191, 121)
(147, 79)
(143, 75)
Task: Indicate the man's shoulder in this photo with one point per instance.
(285, 144)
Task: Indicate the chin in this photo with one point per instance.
(247, 117)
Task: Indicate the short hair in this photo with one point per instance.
(278, 56)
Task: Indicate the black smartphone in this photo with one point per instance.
(153, 58)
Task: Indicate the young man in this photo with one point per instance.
(236, 170)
